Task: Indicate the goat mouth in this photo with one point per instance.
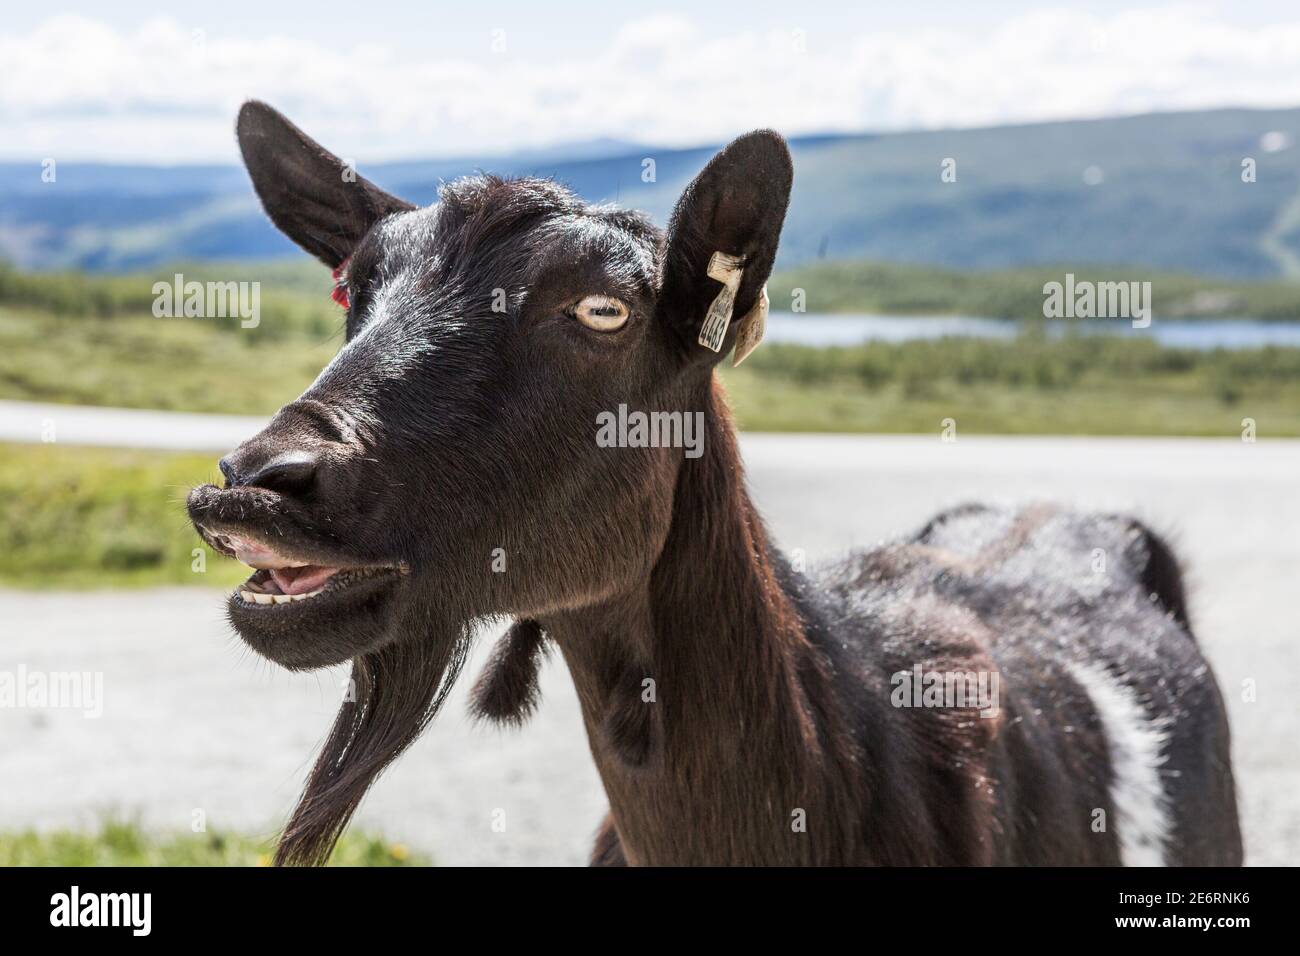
(307, 604)
(272, 586)
(280, 579)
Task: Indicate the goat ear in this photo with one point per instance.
(314, 198)
(728, 219)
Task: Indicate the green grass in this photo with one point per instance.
(1090, 385)
(293, 296)
(93, 340)
(780, 404)
(83, 517)
(295, 301)
(893, 289)
(124, 843)
(174, 364)
(76, 517)
(1075, 385)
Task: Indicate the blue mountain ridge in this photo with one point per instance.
(1164, 191)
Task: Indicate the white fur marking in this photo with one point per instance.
(1136, 743)
(375, 314)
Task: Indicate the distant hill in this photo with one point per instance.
(1166, 193)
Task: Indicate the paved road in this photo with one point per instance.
(192, 720)
(123, 427)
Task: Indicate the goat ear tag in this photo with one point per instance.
(752, 327)
(727, 270)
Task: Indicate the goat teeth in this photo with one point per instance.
(255, 597)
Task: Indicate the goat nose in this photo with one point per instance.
(289, 472)
(228, 471)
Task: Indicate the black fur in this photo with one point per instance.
(507, 691)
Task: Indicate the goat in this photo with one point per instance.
(443, 470)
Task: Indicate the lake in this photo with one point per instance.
(811, 328)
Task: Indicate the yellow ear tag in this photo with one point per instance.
(752, 327)
(727, 270)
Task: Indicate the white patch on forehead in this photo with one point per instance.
(377, 310)
(1136, 745)
(381, 301)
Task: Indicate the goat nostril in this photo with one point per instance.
(289, 473)
(228, 472)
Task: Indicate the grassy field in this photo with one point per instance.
(295, 301)
(76, 517)
(879, 287)
(1077, 385)
(179, 364)
(1090, 385)
(119, 843)
(93, 340)
(72, 517)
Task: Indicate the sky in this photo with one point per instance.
(379, 80)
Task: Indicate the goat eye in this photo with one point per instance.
(602, 313)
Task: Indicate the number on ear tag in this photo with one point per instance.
(727, 270)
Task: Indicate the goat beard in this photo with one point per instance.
(397, 691)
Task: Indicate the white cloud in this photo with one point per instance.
(76, 88)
